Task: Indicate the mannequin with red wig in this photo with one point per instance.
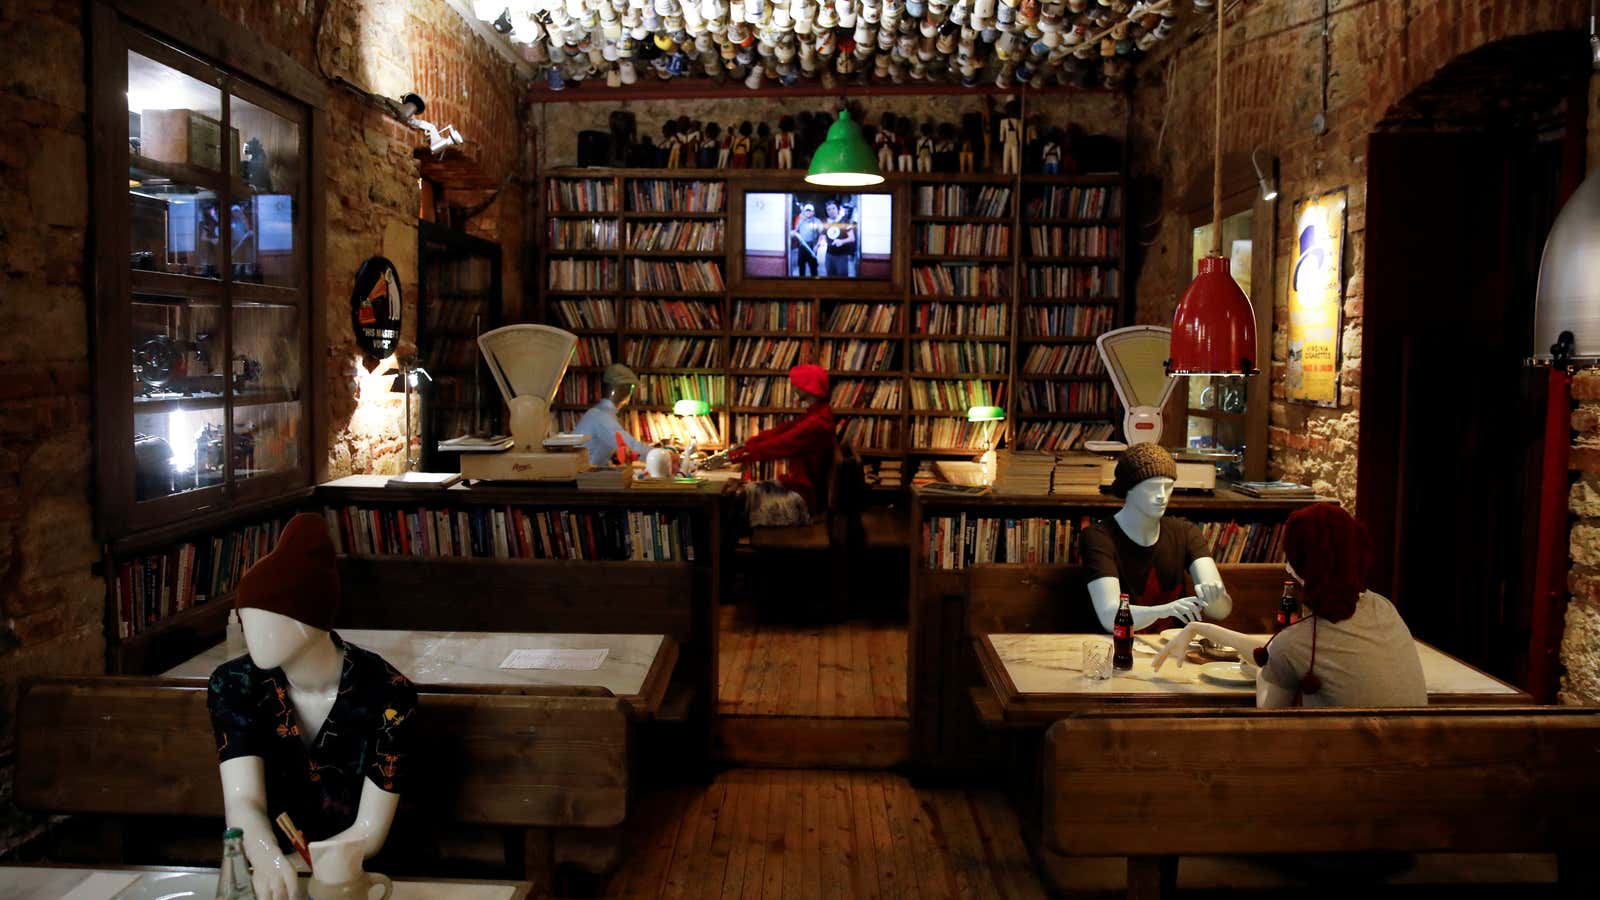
(1350, 649)
(806, 444)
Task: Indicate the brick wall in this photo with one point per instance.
(1378, 51)
(50, 603)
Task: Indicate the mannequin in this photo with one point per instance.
(304, 701)
(600, 421)
(1138, 534)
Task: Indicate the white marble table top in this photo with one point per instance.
(1049, 664)
(58, 883)
(459, 658)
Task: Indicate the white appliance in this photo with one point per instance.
(528, 363)
(1135, 359)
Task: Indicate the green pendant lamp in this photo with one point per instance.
(844, 159)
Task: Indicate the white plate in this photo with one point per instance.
(1168, 634)
(1226, 673)
(1104, 446)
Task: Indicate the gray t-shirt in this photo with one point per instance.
(1369, 659)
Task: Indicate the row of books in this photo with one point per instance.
(960, 356)
(694, 315)
(150, 588)
(962, 318)
(582, 234)
(866, 393)
(959, 200)
(511, 532)
(873, 318)
(774, 315)
(1059, 202)
(456, 314)
(583, 274)
(671, 234)
(1060, 435)
(765, 353)
(1063, 359)
(581, 195)
(580, 387)
(1039, 320)
(960, 541)
(592, 351)
(586, 313)
(661, 389)
(1065, 396)
(770, 470)
(957, 395)
(961, 280)
(1048, 240)
(675, 275)
(450, 353)
(651, 426)
(946, 432)
(886, 473)
(464, 278)
(1244, 542)
(964, 240)
(859, 356)
(662, 195)
(870, 432)
(1074, 282)
(766, 390)
(672, 353)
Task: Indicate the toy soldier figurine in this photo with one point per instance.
(783, 143)
(673, 145)
(904, 145)
(885, 141)
(689, 137)
(1050, 155)
(1011, 139)
(925, 148)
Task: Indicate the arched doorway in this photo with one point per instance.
(1465, 176)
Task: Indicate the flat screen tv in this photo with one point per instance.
(818, 234)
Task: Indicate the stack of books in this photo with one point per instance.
(1024, 472)
(1079, 473)
(1279, 489)
(889, 474)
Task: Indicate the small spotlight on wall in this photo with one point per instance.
(411, 105)
(1269, 190)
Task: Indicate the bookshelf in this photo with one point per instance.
(1005, 282)
(458, 278)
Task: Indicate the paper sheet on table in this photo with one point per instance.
(572, 660)
(101, 886)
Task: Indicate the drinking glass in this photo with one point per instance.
(1097, 658)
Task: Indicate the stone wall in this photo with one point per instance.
(1378, 51)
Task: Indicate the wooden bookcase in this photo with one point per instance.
(458, 298)
(913, 404)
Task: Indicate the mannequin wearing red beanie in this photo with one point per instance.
(305, 723)
(807, 444)
(1353, 649)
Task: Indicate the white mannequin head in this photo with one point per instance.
(1149, 498)
(274, 639)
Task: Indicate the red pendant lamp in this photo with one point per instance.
(1214, 328)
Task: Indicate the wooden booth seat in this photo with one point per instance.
(528, 762)
(806, 568)
(1458, 779)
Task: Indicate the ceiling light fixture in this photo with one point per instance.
(1214, 327)
(844, 159)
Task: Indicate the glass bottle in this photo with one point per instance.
(1288, 609)
(233, 881)
(1122, 636)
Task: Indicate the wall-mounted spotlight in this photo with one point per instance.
(1269, 190)
(411, 105)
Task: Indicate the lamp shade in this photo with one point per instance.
(1214, 329)
(1568, 296)
(691, 408)
(985, 414)
(844, 159)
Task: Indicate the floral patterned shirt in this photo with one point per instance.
(367, 735)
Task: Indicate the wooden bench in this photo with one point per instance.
(829, 546)
(1458, 779)
(527, 762)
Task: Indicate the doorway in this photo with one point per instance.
(1465, 177)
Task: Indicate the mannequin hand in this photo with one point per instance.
(1184, 609)
(275, 879)
(1175, 648)
(1208, 593)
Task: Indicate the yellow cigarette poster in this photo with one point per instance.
(1316, 300)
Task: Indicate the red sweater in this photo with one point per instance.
(807, 443)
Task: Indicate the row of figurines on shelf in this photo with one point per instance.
(982, 142)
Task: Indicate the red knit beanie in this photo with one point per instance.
(299, 578)
(1331, 553)
(809, 378)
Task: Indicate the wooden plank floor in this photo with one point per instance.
(853, 670)
(821, 833)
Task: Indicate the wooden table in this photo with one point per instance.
(1032, 680)
(636, 668)
(148, 883)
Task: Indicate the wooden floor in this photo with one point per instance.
(815, 834)
(853, 670)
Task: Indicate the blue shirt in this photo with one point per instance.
(601, 425)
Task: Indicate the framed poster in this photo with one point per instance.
(1316, 300)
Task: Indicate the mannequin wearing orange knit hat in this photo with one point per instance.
(305, 723)
(806, 444)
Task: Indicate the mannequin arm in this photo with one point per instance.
(1106, 593)
(1209, 590)
(1176, 647)
(244, 804)
(374, 815)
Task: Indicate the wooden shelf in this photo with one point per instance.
(1071, 260)
(675, 254)
(572, 292)
(1071, 301)
(958, 258)
(948, 451)
(955, 298)
(652, 214)
(646, 293)
(868, 411)
(918, 219)
(1048, 376)
(157, 405)
(163, 284)
(990, 338)
(961, 376)
(586, 254)
(672, 332)
(1067, 220)
(1054, 339)
(577, 214)
(938, 413)
(1065, 416)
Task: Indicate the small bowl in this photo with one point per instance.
(1211, 650)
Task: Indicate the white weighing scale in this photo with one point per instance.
(528, 363)
(1135, 359)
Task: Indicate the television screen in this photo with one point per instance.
(818, 234)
